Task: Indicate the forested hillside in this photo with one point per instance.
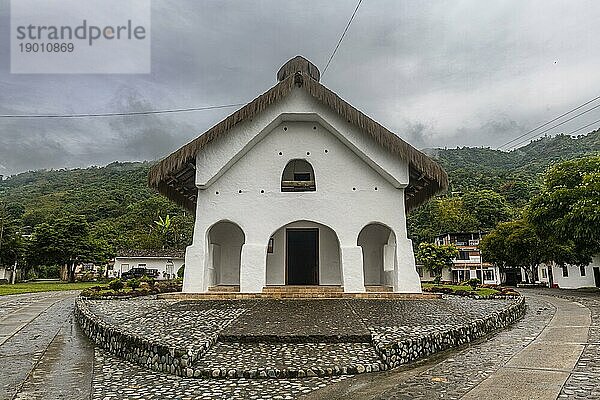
(115, 200)
(490, 186)
(487, 186)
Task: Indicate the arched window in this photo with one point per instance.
(298, 176)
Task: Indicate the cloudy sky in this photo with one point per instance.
(438, 73)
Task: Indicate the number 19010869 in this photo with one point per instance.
(46, 47)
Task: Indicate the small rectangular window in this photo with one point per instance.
(582, 270)
(302, 176)
(565, 271)
(431, 274)
(544, 273)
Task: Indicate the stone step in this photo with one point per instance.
(281, 360)
(302, 289)
(224, 289)
(296, 296)
(378, 288)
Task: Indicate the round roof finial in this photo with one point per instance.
(298, 64)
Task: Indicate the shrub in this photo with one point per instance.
(180, 271)
(133, 283)
(116, 284)
(146, 279)
(473, 283)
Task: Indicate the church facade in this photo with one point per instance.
(299, 188)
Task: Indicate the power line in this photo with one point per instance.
(549, 122)
(555, 126)
(583, 127)
(121, 114)
(341, 38)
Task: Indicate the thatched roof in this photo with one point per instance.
(174, 175)
(150, 253)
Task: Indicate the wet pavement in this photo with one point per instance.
(43, 352)
(44, 355)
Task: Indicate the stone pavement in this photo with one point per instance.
(44, 356)
(294, 338)
(546, 355)
(43, 353)
(541, 369)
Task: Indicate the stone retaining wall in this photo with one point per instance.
(395, 353)
(158, 357)
(394, 348)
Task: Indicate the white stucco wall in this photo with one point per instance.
(123, 264)
(358, 182)
(574, 280)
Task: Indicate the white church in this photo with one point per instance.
(298, 187)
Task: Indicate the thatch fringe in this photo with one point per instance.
(437, 179)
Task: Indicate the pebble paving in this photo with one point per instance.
(117, 379)
(302, 337)
(453, 377)
(284, 355)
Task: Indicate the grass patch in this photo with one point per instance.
(34, 287)
(479, 291)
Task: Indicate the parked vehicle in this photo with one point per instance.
(139, 272)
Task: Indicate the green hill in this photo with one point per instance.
(515, 174)
(115, 200)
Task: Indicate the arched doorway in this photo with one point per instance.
(225, 240)
(304, 253)
(378, 244)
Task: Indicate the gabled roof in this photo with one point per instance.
(174, 175)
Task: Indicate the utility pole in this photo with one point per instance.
(2, 228)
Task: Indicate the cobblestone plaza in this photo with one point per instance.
(46, 356)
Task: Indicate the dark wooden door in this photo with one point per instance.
(302, 257)
(597, 276)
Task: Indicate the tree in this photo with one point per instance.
(11, 243)
(567, 211)
(487, 207)
(515, 244)
(65, 241)
(437, 217)
(434, 258)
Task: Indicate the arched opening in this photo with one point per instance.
(304, 253)
(225, 240)
(298, 176)
(378, 244)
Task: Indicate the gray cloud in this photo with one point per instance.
(438, 72)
